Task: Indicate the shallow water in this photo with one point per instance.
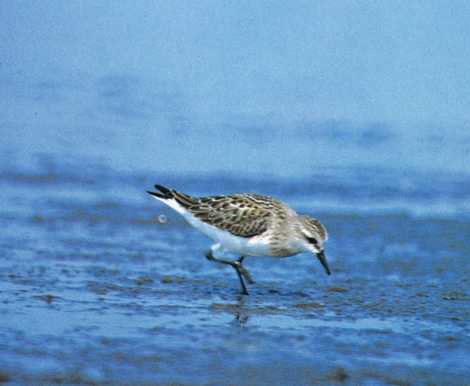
(95, 289)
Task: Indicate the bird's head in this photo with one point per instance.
(314, 236)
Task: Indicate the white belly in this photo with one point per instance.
(247, 246)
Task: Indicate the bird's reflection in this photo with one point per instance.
(240, 312)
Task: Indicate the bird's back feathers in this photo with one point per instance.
(243, 215)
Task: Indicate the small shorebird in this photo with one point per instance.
(248, 224)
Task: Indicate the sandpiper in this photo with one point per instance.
(250, 225)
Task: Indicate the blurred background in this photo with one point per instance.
(354, 111)
(244, 87)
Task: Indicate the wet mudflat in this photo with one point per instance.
(96, 288)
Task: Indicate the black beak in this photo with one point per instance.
(321, 256)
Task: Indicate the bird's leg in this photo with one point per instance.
(242, 283)
(244, 271)
(241, 271)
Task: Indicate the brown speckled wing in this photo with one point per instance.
(243, 215)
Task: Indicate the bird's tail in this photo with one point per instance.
(168, 194)
(164, 193)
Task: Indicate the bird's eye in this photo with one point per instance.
(312, 240)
